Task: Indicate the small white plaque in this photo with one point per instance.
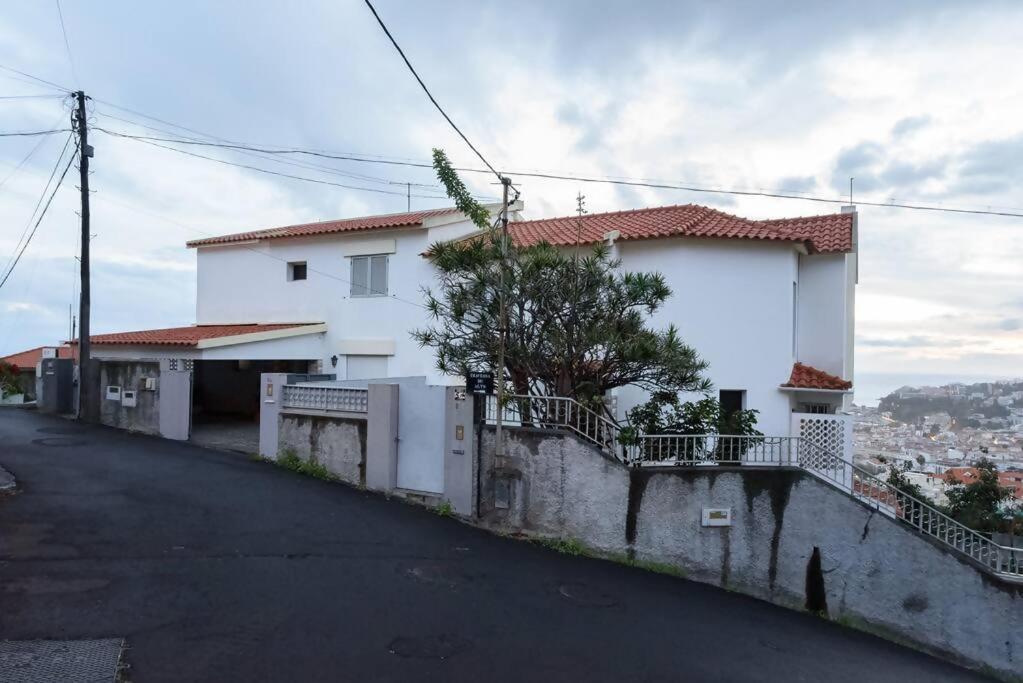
(128, 399)
(717, 516)
(113, 393)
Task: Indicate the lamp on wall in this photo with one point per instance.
(333, 361)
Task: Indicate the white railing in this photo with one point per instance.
(555, 412)
(325, 398)
(675, 450)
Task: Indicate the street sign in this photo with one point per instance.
(479, 382)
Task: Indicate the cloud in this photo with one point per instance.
(910, 124)
(1011, 324)
(915, 341)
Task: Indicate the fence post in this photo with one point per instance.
(271, 389)
(382, 437)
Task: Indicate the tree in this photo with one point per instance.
(979, 504)
(9, 383)
(578, 346)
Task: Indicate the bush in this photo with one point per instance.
(665, 413)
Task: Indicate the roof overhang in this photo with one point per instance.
(261, 336)
(811, 390)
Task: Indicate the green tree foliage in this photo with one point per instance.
(665, 413)
(980, 504)
(576, 325)
(555, 346)
(9, 383)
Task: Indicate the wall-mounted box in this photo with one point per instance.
(149, 384)
(717, 517)
(113, 393)
(128, 398)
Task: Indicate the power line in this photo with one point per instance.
(145, 140)
(33, 133)
(42, 214)
(29, 97)
(427, 90)
(63, 30)
(39, 201)
(280, 259)
(28, 156)
(180, 139)
(35, 78)
(585, 179)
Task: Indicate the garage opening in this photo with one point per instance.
(225, 401)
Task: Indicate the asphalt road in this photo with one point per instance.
(217, 568)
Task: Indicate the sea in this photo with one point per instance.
(870, 387)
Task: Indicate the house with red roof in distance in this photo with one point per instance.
(768, 303)
(26, 364)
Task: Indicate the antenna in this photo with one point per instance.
(851, 179)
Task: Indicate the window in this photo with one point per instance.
(296, 271)
(369, 275)
(732, 401)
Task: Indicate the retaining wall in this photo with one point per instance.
(338, 444)
(144, 416)
(793, 540)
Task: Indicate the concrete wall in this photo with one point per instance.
(793, 540)
(145, 415)
(336, 443)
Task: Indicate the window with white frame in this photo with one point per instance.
(369, 275)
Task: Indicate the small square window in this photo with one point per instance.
(296, 271)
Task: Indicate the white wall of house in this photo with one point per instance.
(733, 302)
(827, 310)
(248, 283)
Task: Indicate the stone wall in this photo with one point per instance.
(793, 540)
(130, 376)
(339, 444)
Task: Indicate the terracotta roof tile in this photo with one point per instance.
(394, 220)
(808, 377)
(186, 336)
(27, 360)
(821, 234)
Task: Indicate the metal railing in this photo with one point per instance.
(673, 450)
(556, 412)
(325, 398)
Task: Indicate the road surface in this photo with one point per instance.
(218, 568)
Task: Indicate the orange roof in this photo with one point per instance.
(27, 359)
(394, 220)
(186, 336)
(821, 234)
(807, 377)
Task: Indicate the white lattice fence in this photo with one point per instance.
(319, 397)
(826, 444)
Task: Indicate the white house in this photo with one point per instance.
(768, 303)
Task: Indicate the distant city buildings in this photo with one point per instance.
(939, 433)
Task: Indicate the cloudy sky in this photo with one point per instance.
(920, 101)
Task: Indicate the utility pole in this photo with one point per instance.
(80, 124)
(408, 196)
(503, 331)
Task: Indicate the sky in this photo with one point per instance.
(919, 101)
